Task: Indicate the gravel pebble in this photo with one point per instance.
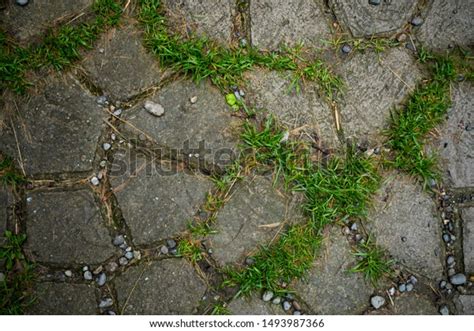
(101, 279)
(286, 305)
(442, 284)
(402, 287)
(137, 255)
(22, 2)
(451, 272)
(377, 301)
(444, 310)
(154, 108)
(446, 237)
(111, 267)
(458, 279)
(354, 227)
(450, 260)
(123, 261)
(171, 243)
(102, 100)
(249, 261)
(346, 49)
(68, 273)
(117, 112)
(412, 279)
(106, 303)
(193, 99)
(164, 250)
(85, 268)
(409, 287)
(88, 275)
(276, 301)
(296, 312)
(296, 305)
(103, 164)
(374, 2)
(129, 255)
(119, 240)
(106, 146)
(417, 21)
(95, 181)
(267, 296)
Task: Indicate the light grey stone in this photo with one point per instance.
(215, 144)
(29, 22)
(157, 200)
(287, 22)
(58, 128)
(125, 68)
(375, 84)
(253, 305)
(329, 288)
(247, 220)
(455, 143)
(409, 304)
(67, 228)
(271, 91)
(403, 210)
(458, 279)
(448, 23)
(166, 287)
(211, 18)
(467, 215)
(377, 301)
(364, 20)
(464, 304)
(63, 299)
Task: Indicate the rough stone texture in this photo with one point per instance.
(167, 287)
(375, 85)
(467, 216)
(34, 19)
(455, 143)
(405, 223)
(408, 304)
(156, 202)
(66, 228)
(63, 299)
(364, 20)
(270, 91)
(58, 129)
(121, 65)
(329, 289)
(280, 22)
(210, 18)
(253, 306)
(465, 304)
(208, 122)
(241, 222)
(448, 23)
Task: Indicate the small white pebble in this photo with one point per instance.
(106, 146)
(193, 99)
(154, 108)
(68, 273)
(95, 181)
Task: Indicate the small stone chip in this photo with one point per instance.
(193, 99)
(154, 108)
(95, 181)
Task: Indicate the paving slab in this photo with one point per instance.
(405, 223)
(66, 227)
(270, 90)
(364, 20)
(167, 287)
(464, 304)
(157, 200)
(457, 138)
(63, 299)
(245, 222)
(25, 22)
(375, 85)
(253, 305)
(408, 304)
(57, 128)
(280, 22)
(448, 23)
(205, 127)
(467, 216)
(120, 65)
(210, 18)
(329, 288)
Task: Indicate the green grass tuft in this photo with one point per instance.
(372, 262)
(14, 290)
(190, 249)
(220, 309)
(8, 174)
(200, 58)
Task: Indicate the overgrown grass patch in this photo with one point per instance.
(425, 109)
(200, 58)
(59, 48)
(8, 174)
(15, 296)
(339, 190)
